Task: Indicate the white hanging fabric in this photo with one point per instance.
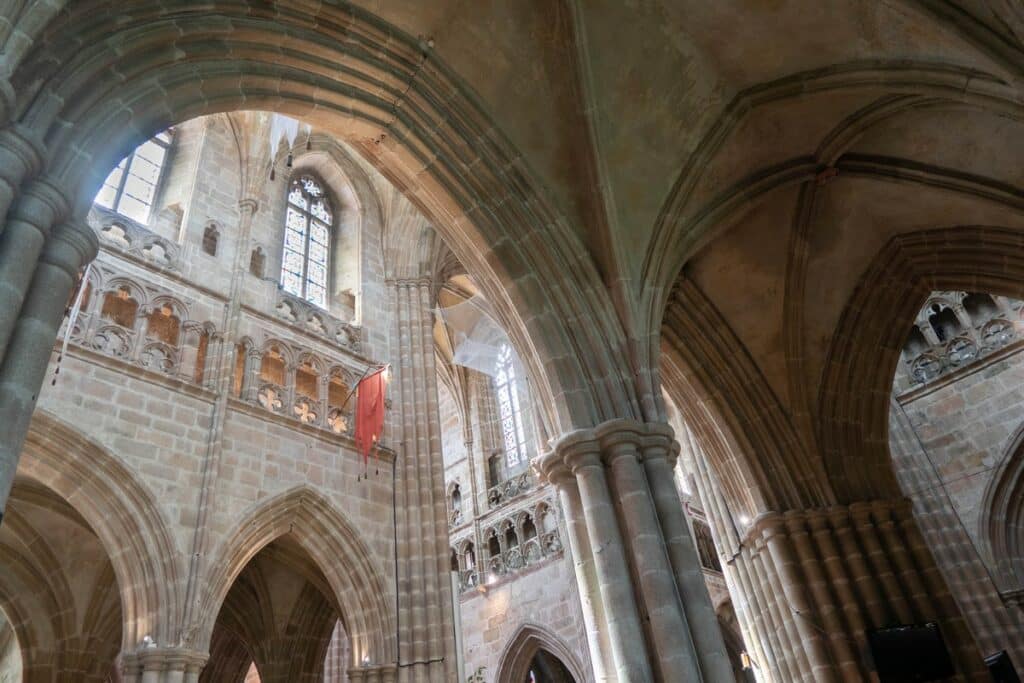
(284, 126)
(477, 339)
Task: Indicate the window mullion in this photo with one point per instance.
(305, 255)
(121, 183)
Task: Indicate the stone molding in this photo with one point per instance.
(603, 444)
(162, 659)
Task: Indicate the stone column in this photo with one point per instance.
(669, 631)
(162, 665)
(24, 364)
(21, 156)
(832, 574)
(426, 633)
(583, 563)
(33, 216)
(621, 505)
(622, 618)
(659, 462)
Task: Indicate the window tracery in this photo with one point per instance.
(509, 408)
(307, 239)
(130, 188)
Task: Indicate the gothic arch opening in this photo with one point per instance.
(279, 616)
(60, 611)
(534, 655)
(301, 530)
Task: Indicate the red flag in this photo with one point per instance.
(369, 412)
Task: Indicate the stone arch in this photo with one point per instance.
(731, 410)
(125, 517)
(425, 148)
(1001, 525)
(514, 663)
(853, 403)
(333, 544)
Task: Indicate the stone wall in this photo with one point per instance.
(153, 408)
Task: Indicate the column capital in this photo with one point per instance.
(71, 246)
(42, 204)
(20, 148)
(249, 204)
(551, 467)
(164, 659)
(619, 438)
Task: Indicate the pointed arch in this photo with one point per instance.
(1001, 525)
(529, 639)
(440, 148)
(334, 545)
(123, 514)
(853, 403)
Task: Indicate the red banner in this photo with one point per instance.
(369, 412)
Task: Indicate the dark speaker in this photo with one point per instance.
(1001, 668)
(911, 653)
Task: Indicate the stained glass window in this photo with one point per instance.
(307, 241)
(509, 409)
(131, 187)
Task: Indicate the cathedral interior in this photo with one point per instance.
(696, 327)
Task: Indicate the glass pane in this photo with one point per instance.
(295, 197)
(106, 196)
(318, 232)
(133, 209)
(296, 221)
(145, 170)
(293, 261)
(151, 152)
(320, 210)
(311, 187)
(316, 295)
(291, 283)
(294, 240)
(316, 273)
(317, 253)
(108, 192)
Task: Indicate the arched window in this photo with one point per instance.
(131, 187)
(509, 408)
(256, 261)
(210, 239)
(307, 241)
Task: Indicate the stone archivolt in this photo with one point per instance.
(749, 223)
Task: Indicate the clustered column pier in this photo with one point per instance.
(641, 605)
(808, 585)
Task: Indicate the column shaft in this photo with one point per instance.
(676, 658)
(586, 580)
(685, 561)
(24, 364)
(622, 619)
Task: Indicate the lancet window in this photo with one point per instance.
(307, 241)
(509, 408)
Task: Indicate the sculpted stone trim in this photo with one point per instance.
(134, 241)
